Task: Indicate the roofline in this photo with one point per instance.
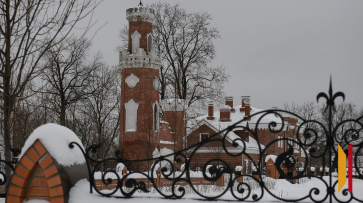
(200, 123)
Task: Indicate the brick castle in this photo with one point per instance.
(143, 135)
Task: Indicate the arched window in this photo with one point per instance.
(149, 43)
(131, 115)
(156, 116)
(135, 38)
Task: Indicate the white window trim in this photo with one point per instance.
(246, 165)
(135, 38)
(279, 143)
(131, 116)
(200, 136)
(157, 116)
(147, 37)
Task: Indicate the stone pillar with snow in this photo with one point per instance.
(48, 168)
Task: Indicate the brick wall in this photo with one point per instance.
(177, 125)
(271, 170)
(265, 137)
(132, 144)
(200, 158)
(143, 28)
(163, 183)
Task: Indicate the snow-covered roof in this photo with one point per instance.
(272, 157)
(164, 122)
(56, 140)
(236, 116)
(239, 115)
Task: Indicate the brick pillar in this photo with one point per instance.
(225, 113)
(174, 114)
(210, 111)
(229, 102)
(36, 177)
(246, 105)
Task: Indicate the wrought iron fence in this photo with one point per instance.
(315, 139)
(10, 165)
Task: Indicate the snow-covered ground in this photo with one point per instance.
(282, 188)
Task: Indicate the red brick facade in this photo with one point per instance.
(144, 28)
(176, 120)
(132, 144)
(139, 143)
(265, 136)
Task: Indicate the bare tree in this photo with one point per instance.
(68, 74)
(28, 28)
(102, 108)
(310, 112)
(347, 132)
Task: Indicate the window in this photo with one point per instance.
(156, 116)
(278, 141)
(135, 38)
(203, 136)
(246, 166)
(149, 43)
(131, 115)
(247, 136)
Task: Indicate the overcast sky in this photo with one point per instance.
(275, 51)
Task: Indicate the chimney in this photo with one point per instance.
(225, 113)
(210, 111)
(246, 105)
(229, 102)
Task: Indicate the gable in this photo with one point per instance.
(199, 124)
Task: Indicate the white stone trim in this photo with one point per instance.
(199, 124)
(131, 116)
(173, 105)
(157, 121)
(156, 83)
(147, 39)
(140, 59)
(131, 80)
(135, 40)
(140, 13)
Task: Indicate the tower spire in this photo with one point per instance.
(140, 4)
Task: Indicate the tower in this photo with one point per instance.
(139, 114)
(175, 114)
